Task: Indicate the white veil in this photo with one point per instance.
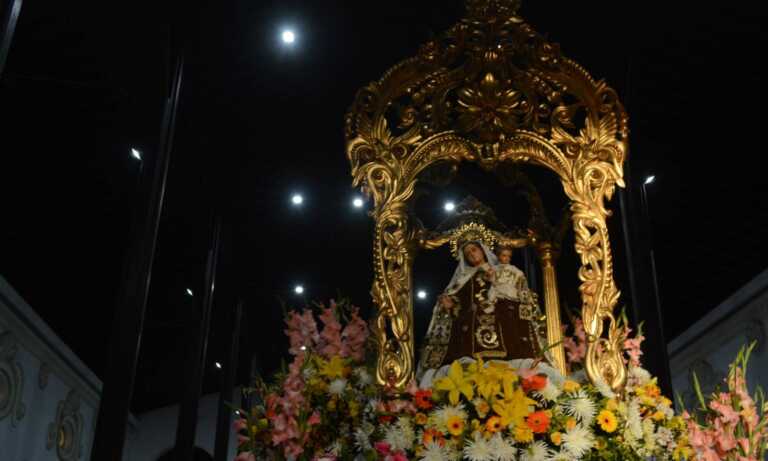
(464, 271)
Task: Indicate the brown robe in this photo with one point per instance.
(475, 327)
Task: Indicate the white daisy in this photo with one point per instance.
(337, 386)
(400, 435)
(434, 452)
(581, 407)
(478, 450)
(550, 392)
(536, 451)
(604, 388)
(502, 449)
(578, 441)
(439, 419)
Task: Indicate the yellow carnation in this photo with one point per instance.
(571, 386)
(556, 438)
(523, 434)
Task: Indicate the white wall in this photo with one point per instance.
(711, 344)
(46, 390)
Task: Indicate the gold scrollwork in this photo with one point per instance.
(490, 90)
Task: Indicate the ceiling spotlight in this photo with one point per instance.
(298, 289)
(189, 292)
(136, 154)
(303, 348)
(422, 294)
(288, 36)
(650, 179)
(218, 365)
(449, 206)
(358, 202)
(297, 199)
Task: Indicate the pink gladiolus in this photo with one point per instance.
(301, 331)
(240, 424)
(354, 337)
(576, 350)
(632, 347)
(399, 456)
(744, 444)
(314, 419)
(330, 337)
(727, 413)
(246, 456)
(241, 440)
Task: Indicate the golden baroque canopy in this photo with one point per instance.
(489, 90)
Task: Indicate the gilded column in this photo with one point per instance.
(548, 256)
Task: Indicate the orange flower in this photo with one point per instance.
(538, 421)
(570, 423)
(556, 438)
(421, 419)
(493, 424)
(433, 436)
(534, 383)
(423, 399)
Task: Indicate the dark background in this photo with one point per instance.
(85, 82)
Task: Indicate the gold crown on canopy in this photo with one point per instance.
(471, 232)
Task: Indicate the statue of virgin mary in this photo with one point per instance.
(479, 315)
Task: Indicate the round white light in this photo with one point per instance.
(298, 289)
(297, 199)
(288, 36)
(449, 206)
(218, 365)
(358, 202)
(303, 348)
(136, 154)
(422, 294)
(189, 292)
(650, 179)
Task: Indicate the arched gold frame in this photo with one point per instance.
(490, 90)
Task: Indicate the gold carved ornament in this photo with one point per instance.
(490, 90)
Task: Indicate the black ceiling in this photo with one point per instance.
(85, 80)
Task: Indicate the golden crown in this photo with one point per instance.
(471, 232)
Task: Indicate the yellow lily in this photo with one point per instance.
(514, 408)
(455, 384)
(333, 368)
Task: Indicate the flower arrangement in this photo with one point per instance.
(326, 407)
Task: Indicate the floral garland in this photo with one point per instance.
(327, 407)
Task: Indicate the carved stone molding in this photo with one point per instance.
(66, 431)
(42, 376)
(755, 332)
(11, 380)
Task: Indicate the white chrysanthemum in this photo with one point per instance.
(536, 451)
(337, 386)
(434, 452)
(400, 435)
(502, 449)
(560, 456)
(334, 449)
(439, 419)
(581, 407)
(478, 450)
(363, 377)
(604, 388)
(639, 376)
(362, 440)
(578, 441)
(550, 392)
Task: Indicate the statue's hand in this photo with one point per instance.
(490, 274)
